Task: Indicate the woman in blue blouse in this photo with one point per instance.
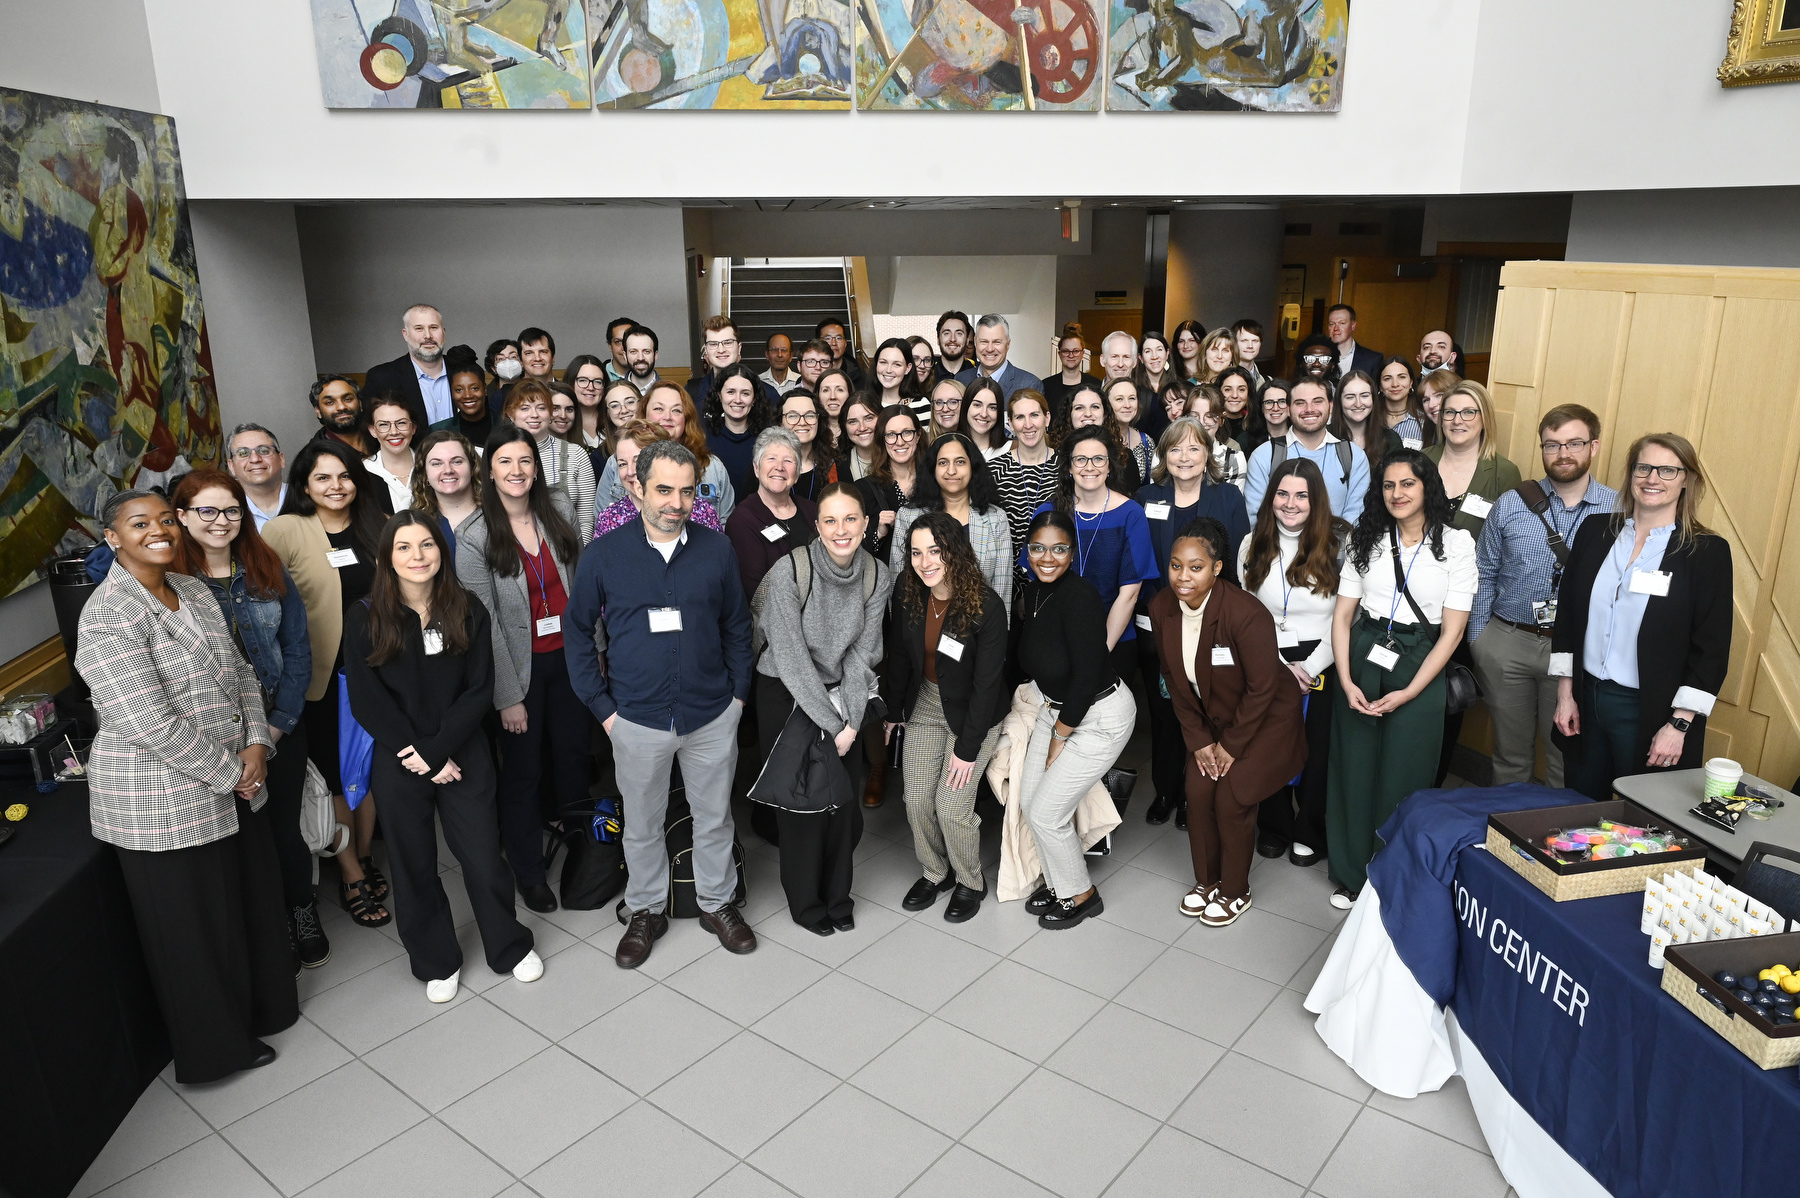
(1113, 549)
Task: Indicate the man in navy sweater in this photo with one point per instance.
(657, 634)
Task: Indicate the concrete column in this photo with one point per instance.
(1224, 264)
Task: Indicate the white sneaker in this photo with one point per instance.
(530, 969)
(1342, 899)
(443, 990)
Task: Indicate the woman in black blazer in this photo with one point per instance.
(1643, 628)
(945, 681)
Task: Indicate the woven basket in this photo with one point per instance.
(1764, 1050)
(1622, 879)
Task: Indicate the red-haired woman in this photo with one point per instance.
(220, 545)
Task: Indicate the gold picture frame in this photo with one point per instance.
(1764, 43)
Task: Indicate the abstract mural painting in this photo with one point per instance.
(462, 54)
(1226, 55)
(105, 375)
(978, 55)
(721, 54)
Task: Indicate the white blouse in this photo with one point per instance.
(1307, 615)
(1436, 585)
(399, 490)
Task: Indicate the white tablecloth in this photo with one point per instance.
(1385, 1027)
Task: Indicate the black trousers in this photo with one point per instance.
(215, 938)
(1168, 751)
(287, 779)
(816, 849)
(1297, 812)
(409, 804)
(556, 718)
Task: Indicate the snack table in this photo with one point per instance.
(80, 1031)
(1585, 1076)
(1670, 794)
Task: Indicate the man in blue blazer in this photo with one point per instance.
(993, 338)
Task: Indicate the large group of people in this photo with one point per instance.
(495, 575)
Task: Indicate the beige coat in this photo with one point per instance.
(301, 543)
(1095, 816)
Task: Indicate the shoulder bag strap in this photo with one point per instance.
(1400, 581)
(1534, 496)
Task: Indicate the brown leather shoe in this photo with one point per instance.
(727, 923)
(875, 789)
(644, 930)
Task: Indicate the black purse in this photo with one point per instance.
(1461, 691)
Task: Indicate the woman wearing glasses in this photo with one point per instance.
(587, 375)
(391, 424)
(924, 360)
(892, 475)
(1268, 415)
(1643, 625)
(773, 522)
(804, 417)
(946, 408)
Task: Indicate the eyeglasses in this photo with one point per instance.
(821, 363)
(1667, 473)
(799, 418)
(947, 401)
(1575, 446)
(393, 426)
(901, 437)
(1458, 413)
(1269, 405)
(833, 338)
(729, 344)
(1096, 460)
(589, 384)
(253, 451)
(1317, 357)
(209, 515)
(1060, 549)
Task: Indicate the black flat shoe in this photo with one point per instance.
(539, 898)
(822, 928)
(1161, 808)
(924, 892)
(265, 1057)
(1067, 913)
(963, 904)
(1268, 846)
(846, 924)
(1041, 900)
(1181, 815)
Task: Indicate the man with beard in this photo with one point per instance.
(953, 346)
(339, 409)
(1343, 463)
(661, 597)
(615, 343)
(1316, 357)
(640, 357)
(418, 376)
(1520, 556)
(1437, 351)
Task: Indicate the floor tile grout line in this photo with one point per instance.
(210, 1129)
(384, 1143)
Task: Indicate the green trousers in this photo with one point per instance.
(1376, 761)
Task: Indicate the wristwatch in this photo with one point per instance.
(1679, 724)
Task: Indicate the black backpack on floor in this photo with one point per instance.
(593, 835)
(678, 837)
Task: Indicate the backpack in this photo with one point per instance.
(595, 839)
(801, 559)
(1278, 454)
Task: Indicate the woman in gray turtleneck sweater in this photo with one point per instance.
(822, 656)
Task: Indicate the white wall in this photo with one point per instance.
(492, 271)
(1737, 227)
(94, 50)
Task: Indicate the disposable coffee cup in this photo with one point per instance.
(1722, 777)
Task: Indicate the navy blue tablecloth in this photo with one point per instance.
(1565, 1008)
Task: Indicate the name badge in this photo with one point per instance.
(549, 626)
(1476, 506)
(1411, 443)
(773, 533)
(1222, 655)
(665, 619)
(434, 641)
(341, 557)
(950, 647)
(1142, 621)
(1650, 582)
(1384, 657)
(1157, 511)
(1286, 640)
(1543, 613)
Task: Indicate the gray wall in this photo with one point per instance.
(256, 317)
(492, 271)
(1224, 264)
(1743, 226)
(864, 232)
(94, 50)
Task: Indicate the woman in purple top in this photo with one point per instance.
(632, 438)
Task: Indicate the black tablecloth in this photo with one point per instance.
(80, 1031)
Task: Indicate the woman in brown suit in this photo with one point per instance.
(1239, 710)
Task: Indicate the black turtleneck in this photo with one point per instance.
(1059, 639)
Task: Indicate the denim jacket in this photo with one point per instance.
(272, 631)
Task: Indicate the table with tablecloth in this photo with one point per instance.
(1585, 1076)
(80, 1031)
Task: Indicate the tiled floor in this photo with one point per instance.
(1137, 1054)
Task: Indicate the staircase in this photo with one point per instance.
(765, 300)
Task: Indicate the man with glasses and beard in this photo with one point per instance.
(418, 376)
(1521, 573)
(254, 458)
(338, 406)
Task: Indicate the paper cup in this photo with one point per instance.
(1722, 777)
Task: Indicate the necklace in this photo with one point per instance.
(1045, 595)
(932, 610)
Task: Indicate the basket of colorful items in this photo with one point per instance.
(1591, 849)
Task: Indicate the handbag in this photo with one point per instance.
(1460, 688)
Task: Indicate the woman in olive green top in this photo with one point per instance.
(1475, 475)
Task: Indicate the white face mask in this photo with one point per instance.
(509, 368)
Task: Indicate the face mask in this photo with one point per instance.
(509, 368)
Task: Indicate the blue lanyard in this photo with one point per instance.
(1394, 607)
(1287, 588)
(537, 568)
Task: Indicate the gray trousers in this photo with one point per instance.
(642, 757)
(1050, 795)
(1513, 667)
(946, 834)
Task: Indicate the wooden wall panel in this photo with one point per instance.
(1520, 321)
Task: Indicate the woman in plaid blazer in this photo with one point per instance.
(175, 773)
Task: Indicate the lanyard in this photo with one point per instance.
(1082, 554)
(537, 567)
(1394, 607)
(1287, 588)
